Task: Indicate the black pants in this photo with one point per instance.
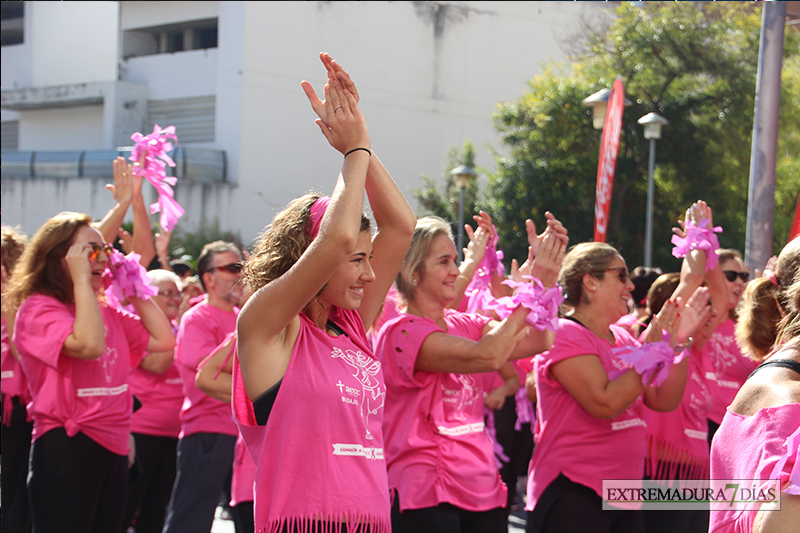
(567, 507)
(75, 485)
(667, 521)
(243, 517)
(447, 518)
(149, 491)
(205, 461)
(517, 445)
(16, 446)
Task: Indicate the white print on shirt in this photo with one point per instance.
(109, 358)
(5, 346)
(372, 397)
(700, 402)
(464, 396)
(722, 352)
(358, 451)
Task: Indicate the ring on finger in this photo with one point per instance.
(335, 108)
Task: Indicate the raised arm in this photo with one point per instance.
(161, 337)
(394, 218)
(88, 338)
(269, 322)
(473, 255)
(142, 231)
(122, 189)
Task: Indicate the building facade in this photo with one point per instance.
(78, 78)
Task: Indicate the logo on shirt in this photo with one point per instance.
(369, 396)
(109, 358)
(464, 396)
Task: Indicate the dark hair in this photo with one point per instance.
(283, 242)
(660, 291)
(207, 254)
(13, 244)
(643, 278)
(180, 267)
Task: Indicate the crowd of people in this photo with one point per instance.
(340, 378)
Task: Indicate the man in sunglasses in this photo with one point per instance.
(208, 432)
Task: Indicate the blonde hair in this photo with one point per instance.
(40, 268)
(584, 258)
(426, 230)
(764, 305)
(13, 244)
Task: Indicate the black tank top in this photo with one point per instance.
(782, 363)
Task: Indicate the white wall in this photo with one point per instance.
(69, 128)
(146, 14)
(176, 75)
(73, 42)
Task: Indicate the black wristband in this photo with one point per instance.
(357, 149)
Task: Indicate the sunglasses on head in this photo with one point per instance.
(230, 268)
(622, 273)
(97, 248)
(731, 275)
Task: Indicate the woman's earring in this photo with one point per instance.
(414, 282)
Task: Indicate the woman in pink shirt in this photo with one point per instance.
(759, 438)
(440, 459)
(158, 386)
(76, 352)
(590, 417)
(308, 392)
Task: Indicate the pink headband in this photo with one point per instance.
(318, 209)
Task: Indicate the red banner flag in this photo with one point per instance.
(609, 145)
(795, 229)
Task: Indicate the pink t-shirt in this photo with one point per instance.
(571, 441)
(679, 438)
(14, 382)
(750, 447)
(437, 448)
(90, 396)
(321, 451)
(726, 368)
(244, 474)
(161, 396)
(202, 329)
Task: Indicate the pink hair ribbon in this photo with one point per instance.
(698, 237)
(127, 277)
(318, 209)
(542, 304)
(150, 152)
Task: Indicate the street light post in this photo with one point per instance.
(463, 175)
(652, 123)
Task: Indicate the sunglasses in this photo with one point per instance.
(97, 248)
(230, 268)
(622, 273)
(731, 275)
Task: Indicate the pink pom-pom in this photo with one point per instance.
(651, 361)
(150, 152)
(128, 277)
(698, 237)
(542, 304)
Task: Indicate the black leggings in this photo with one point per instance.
(149, 491)
(76, 485)
(16, 446)
(567, 507)
(447, 518)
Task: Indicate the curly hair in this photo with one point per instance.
(584, 258)
(13, 244)
(426, 230)
(283, 242)
(40, 268)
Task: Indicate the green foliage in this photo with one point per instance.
(188, 245)
(441, 197)
(693, 64)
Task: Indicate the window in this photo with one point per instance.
(12, 22)
(190, 35)
(9, 135)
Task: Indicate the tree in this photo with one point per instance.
(693, 64)
(443, 200)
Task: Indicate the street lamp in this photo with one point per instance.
(652, 123)
(599, 104)
(463, 175)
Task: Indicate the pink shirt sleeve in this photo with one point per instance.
(136, 335)
(42, 317)
(195, 342)
(409, 334)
